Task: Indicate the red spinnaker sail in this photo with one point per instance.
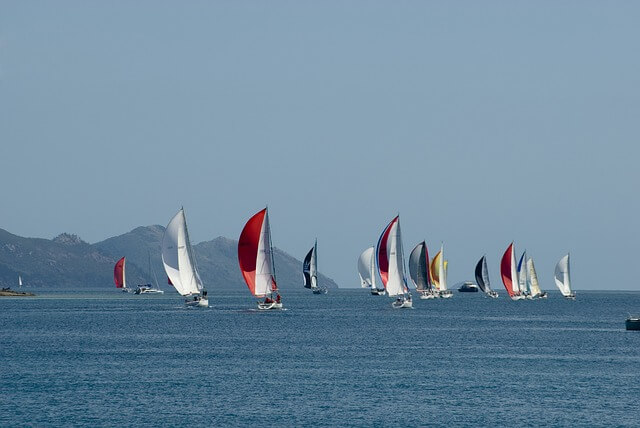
(248, 249)
(383, 253)
(505, 270)
(118, 273)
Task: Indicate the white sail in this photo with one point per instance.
(264, 261)
(395, 280)
(365, 270)
(533, 278)
(562, 276)
(177, 257)
(443, 269)
(522, 274)
(514, 273)
(19, 281)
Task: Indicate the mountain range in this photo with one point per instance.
(67, 261)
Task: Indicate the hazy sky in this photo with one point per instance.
(479, 122)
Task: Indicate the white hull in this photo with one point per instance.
(404, 304)
(378, 292)
(144, 290)
(269, 306)
(426, 295)
(318, 290)
(518, 297)
(571, 296)
(446, 294)
(492, 294)
(197, 302)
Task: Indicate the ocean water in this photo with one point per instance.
(341, 359)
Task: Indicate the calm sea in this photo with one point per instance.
(341, 359)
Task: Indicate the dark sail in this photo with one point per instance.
(306, 267)
(418, 269)
(479, 279)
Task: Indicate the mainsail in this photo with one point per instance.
(309, 268)
(255, 255)
(508, 272)
(533, 278)
(177, 257)
(562, 276)
(391, 260)
(419, 267)
(119, 274)
(482, 275)
(522, 273)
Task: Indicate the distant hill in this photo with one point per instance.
(68, 262)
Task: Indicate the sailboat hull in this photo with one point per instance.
(446, 294)
(404, 304)
(318, 290)
(378, 292)
(269, 306)
(632, 323)
(197, 303)
(427, 295)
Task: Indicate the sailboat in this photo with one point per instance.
(310, 272)
(419, 271)
(482, 277)
(536, 293)
(509, 273)
(255, 256)
(522, 275)
(179, 262)
(119, 276)
(391, 265)
(367, 272)
(439, 267)
(19, 281)
(562, 278)
(148, 288)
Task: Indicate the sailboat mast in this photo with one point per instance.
(190, 254)
(273, 265)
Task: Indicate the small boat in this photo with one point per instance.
(180, 264)
(367, 272)
(391, 265)
(439, 267)
(119, 276)
(148, 288)
(468, 287)
(419, 271)
(19, 281)
(255, 256)
(562, 278)
(310, 271)
(632, 323)
(482, 278)
(509, 273)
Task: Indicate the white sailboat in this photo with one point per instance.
(310, 271)
(367, 272)
(255, 256)
(179, 262)
(523, 275)
(148, 288)
(535, 291)
(19, 281)
(391, 265)
(562, 278)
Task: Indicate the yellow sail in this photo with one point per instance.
(435, 270)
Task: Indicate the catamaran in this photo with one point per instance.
(419, 271)
(562, 278)
(482, 278)
(391, 264)
(119, 276)
(180, 264)
(439, 267)
(509, 273)
(310, 272)
(255, 256)
(367, 272)
(148, 288)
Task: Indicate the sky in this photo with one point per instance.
(480, 123)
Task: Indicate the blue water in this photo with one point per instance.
(345, 358)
